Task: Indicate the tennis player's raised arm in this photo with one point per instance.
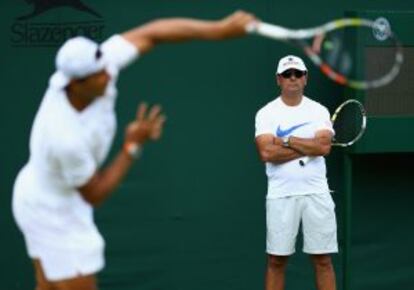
(270, 149)
(145, 37)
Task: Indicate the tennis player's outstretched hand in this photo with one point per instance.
(148, 125)
(235, 24)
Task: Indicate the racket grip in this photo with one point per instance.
(267, 30)
(251, 27)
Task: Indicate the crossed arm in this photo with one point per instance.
(320, 145)
(271, 149)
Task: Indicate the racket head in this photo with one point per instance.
(349, 122)
(334, 49)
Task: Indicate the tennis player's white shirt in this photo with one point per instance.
(66, 149)
(304, 120)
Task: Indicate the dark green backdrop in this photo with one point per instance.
(190, 215)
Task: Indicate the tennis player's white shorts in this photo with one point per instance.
(62, 255)
(66, 245)
(316, 213)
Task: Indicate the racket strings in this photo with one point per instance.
(335, 54)
(346, 49)
(378, 58)
(347, 124)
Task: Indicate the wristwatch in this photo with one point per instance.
(285, 141)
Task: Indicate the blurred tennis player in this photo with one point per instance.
(287, 128)
(56, 190)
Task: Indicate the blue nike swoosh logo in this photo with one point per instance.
(283, 133)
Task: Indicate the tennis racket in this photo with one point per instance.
(332, 47)
(349, 122)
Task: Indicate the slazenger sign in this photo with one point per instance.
(27, 33)
(52, 34)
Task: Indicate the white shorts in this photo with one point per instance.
(316, 212)
(63, 253)
(61, 256)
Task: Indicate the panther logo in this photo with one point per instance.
(41, 6)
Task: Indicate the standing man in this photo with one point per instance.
(288, 128)
(56, 190)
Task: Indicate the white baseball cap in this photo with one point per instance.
(290, 62)
(77, 58)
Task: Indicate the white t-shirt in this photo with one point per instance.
(66, 149)
(304, 120)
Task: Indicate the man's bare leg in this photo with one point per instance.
(275, 272)
(324, 272)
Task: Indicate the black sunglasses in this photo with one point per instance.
(297, 73)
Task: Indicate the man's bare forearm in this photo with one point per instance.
(277, 153)
(103, 183)
(176, 29)
(183, 29)
(310, 146)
